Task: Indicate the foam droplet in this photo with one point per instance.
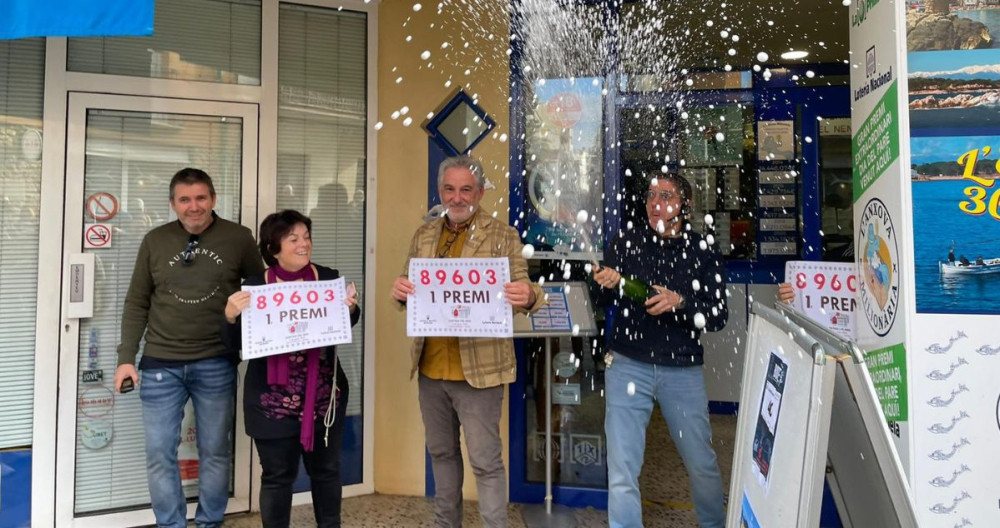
(528, 251)
(631, 388)
(699, 320)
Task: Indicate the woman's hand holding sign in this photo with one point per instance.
(236, 304)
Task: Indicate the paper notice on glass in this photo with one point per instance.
(289, 316)
(732, 186)
(775, 140)
(459, 297)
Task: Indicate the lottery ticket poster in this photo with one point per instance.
(767, 420)
(826, 292)
(459, 297)
(288, 316)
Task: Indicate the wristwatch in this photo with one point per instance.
(682, 302)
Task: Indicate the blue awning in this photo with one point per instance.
(75, 18)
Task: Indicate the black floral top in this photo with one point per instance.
(275, 411)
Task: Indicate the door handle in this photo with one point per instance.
(80, 286)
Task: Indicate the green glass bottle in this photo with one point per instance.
(636, 289)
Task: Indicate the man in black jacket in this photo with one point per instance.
(654, 349)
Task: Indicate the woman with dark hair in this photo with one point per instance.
(292, 407)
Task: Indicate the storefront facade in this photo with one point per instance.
(274, 100)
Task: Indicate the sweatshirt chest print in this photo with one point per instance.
(198, 252)
(194, 284)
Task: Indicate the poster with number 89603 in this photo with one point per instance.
(459, 297)
(289, 316)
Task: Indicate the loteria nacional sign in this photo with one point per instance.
(880, 176)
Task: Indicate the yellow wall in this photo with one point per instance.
(402, 190)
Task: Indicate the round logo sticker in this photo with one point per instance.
(879, 266)
(564, 364)
(95, 434)
(96, 402)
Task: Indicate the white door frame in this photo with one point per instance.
(48, 327)
(69, 342)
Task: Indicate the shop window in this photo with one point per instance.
(193, 40)
(712, 145)
(22, 75)
(322, 113)
(836, 190)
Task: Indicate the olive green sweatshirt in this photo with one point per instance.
(178, 305)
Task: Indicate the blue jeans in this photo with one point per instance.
(211, 385)
(681, 394)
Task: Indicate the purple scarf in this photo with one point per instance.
(277, 366)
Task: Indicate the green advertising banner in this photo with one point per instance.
(887, 367)
(876, 143)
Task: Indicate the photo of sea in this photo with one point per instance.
(954, 89)
(989, 17)
(939, 226)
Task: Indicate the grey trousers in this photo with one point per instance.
(446, 406)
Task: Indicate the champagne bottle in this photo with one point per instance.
(636, 289)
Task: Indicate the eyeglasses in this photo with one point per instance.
(450, 241)
(665, 196)
(188, 255)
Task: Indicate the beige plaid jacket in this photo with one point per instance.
(486, 361)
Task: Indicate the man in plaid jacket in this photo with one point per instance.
(461, 379)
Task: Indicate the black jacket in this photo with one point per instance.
(265, 420)
(672, 338)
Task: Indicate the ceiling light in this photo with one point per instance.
(794, 55)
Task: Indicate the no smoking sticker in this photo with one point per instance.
(102, 206)
(96, 236)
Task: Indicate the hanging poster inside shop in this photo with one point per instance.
(776, 140)
(564, 168)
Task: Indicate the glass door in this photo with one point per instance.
(121, 153)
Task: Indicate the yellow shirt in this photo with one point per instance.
(442, 359)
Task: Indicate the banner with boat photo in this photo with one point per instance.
(956, 219)
(953, 78)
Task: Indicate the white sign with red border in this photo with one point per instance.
(826, 292)
(459, 297)
(96, 236)
(290, 316)
(102, 206)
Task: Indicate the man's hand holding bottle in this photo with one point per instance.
(657, 299)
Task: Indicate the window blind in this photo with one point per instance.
(194, 40)
(322, 56)
(22, 76)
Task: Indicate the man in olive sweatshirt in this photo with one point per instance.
(184, 272)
